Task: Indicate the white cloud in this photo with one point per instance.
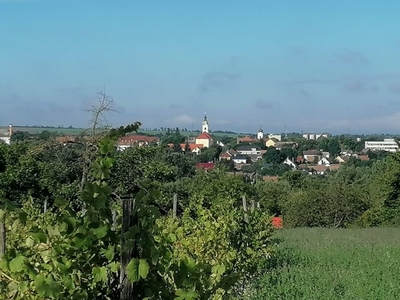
(371, 125)
(182, 120)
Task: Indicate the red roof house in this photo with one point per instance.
(136, 140)
(205, 166)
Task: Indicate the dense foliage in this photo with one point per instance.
(64, 208)
(357, 194)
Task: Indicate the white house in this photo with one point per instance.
(314, 136)
(194, 148)
(388, 145)
(278, 137)
(5, 134)
(311, 156)
(290, 163)
(248, 150)
(128, 141)
(324, 161)
(240, 159)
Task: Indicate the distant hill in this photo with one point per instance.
(190, 133)
(39, 129)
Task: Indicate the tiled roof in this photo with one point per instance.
(131, 139)
(233, 152)
(246, 139)
(205, 166)
(363, 157)
(225, 154)
(312, 152)
(204, 136)
(247, 148)
(192, 146)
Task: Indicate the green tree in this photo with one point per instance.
(274, 156)
(20, 136)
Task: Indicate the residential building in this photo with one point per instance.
(312, 156)
(319, 169)
(325, 154)
(388, 145)
(240, 159)
(246, 139)
(280, 145)
(271, 142)
(194, 148)
(136, 141)
(249, 150)
(314, 136)
(191, 140)
(324, 161)
(339, 159)
(225, 156)
(290, 163)
(5, 134)
(278, 137)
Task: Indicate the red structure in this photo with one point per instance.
(205, 166)
(277, 222)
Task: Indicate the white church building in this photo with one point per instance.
(204, 138)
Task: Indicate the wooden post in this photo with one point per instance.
(2, 238)
(128, 207)
(114, 220)
(175, 205)
(258, 204)
(252, 205)
(45, 206)
(245, 208)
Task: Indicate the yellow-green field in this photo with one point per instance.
(335, 264)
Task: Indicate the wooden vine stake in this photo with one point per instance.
(175, 205)
(245, 209)
(128, 208)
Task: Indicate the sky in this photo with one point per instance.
(312, 66)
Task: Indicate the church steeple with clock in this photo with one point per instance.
(204, 125)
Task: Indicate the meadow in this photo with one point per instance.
(334, 264)
(59, 130)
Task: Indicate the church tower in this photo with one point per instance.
(204, 125)
(260, 134)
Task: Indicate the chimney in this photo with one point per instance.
(10, 130)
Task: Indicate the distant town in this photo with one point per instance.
(269, 154)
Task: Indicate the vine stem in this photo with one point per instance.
(8, 277)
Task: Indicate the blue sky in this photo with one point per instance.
(310, 65)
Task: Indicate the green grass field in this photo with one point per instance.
(335, 264)
(60, 130)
